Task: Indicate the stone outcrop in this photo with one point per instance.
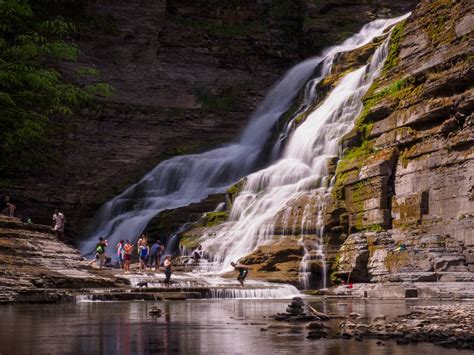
(410, 169)
(186, 76)
(36, 267)
(278, 262)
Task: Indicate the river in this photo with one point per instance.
(187, 327)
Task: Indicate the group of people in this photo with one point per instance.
(147, 256)
(151, 257)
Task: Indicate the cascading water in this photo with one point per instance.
(268, 195)
(301, 172)
(183, 180)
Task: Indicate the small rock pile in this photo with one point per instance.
(295, 312)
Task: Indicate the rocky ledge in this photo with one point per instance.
(37, 267)
(449, 326)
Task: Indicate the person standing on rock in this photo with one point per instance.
(143, 253)
(100, 249)
(127, 256)
(58, 224)
(120, 253)
(143, 239)
(243, 272)
(168, 265)
(6, 207)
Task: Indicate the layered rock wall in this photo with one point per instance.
(408, 178)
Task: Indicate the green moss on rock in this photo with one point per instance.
(211, 219)
(394, 50)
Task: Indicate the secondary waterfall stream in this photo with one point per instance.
(298, 171)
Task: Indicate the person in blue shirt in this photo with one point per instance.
(156, 252)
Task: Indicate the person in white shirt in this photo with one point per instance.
(58, 224)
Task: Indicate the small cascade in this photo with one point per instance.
(268, 292)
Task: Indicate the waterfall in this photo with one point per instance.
(187, 179)
(301, 172)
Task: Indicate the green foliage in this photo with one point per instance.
(32, 91)
(394, 50)
(215, 218)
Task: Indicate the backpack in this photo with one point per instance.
(100, 248)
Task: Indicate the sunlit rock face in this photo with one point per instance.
(412, 174)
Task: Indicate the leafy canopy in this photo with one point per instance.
(33, 94)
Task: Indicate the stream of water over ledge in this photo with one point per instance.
(187, 327)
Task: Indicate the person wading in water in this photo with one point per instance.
(243, 272)
(167, 264)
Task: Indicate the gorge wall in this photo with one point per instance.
(407, 176)
(186, 76)
(402, 204)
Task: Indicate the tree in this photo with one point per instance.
(33, 93)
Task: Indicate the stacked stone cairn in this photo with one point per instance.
(295, 312)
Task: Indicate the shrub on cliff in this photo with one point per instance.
(33, 93)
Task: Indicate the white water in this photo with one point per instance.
(218, 287)
(269, 193)
(186, 179)
(301, 172)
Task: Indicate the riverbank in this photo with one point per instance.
(447, 325)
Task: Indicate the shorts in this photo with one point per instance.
(127, 257)
(143, 258)
(242, 275)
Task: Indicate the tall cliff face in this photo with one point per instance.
(401, 208)
(186, 76)
(408, 174)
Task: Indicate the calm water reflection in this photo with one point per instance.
(192, 327)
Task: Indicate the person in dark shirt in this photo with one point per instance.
(156, 251)
(243, 272)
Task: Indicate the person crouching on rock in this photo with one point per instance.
(167, 264)
(100, 249)
(243, 272)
